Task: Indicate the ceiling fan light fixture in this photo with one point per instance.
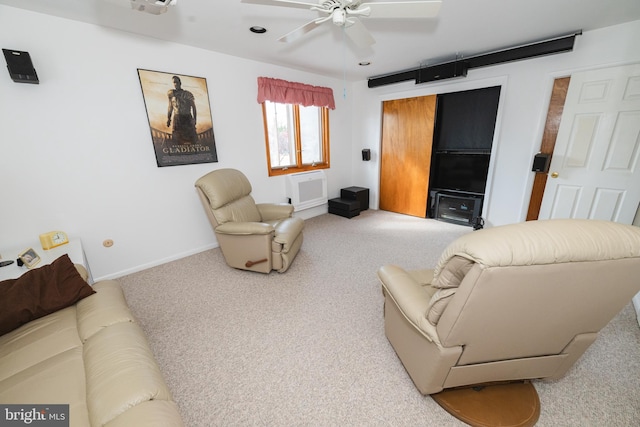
(339, 17)
(257, 29)
(347, 13)
(154, 7)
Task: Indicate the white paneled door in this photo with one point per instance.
(595, 170)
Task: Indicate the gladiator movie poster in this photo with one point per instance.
(179, 118)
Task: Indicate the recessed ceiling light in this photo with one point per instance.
(257, 29)
(364, 63)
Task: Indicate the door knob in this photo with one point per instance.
(554, 174)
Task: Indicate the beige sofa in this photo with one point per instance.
(521, 301)
(93, 356)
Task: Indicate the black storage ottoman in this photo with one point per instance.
(360, 194)
(344, 207)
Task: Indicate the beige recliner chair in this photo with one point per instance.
(521, 301)
(256, 237)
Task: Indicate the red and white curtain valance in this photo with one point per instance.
(284, 92)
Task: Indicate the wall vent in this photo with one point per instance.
(307, 189)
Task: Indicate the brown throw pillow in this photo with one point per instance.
(39, 292)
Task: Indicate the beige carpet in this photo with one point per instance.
(307, 347)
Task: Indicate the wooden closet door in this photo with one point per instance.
(407, 138)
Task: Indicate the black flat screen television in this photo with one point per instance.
(465, 121)
(460, 171)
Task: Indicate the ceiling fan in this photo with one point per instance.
(154, 7)
(346, 14)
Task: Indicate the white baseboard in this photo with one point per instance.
(304, 214)
(155, 263)
(311, 212)
(636, 304)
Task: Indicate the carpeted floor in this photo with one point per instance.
(307, 347)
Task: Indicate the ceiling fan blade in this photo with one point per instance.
(285, 3)
(359, 34)
(300, 31)
(403, 9)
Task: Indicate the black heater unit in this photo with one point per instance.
(458, 209)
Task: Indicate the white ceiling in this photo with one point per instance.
(463, 28)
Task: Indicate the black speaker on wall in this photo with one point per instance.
(442, 71)
(20, 66)
(541, 163)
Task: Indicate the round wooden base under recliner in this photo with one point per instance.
(513, 404)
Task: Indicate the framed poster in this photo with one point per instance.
(179, 118)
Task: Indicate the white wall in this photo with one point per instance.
(526, 89)
(76, 152)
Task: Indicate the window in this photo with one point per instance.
(297, 137)
(296, 125)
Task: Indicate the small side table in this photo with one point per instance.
(73, 249)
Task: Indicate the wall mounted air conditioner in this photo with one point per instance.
(307, 189)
